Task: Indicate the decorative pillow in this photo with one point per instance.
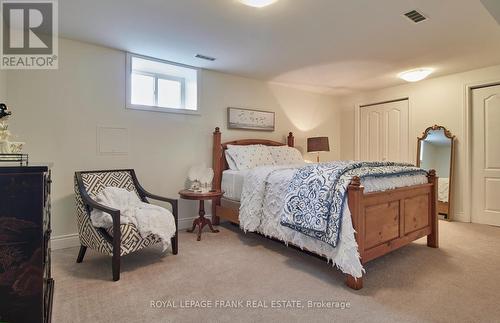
(284, 155)
(230, 161)
(250, 156)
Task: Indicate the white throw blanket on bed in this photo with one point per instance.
(261, 211)
(262, 204)
(149, 219)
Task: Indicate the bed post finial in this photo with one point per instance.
(355, 182)
(290, 139)
(217, 130)
(433, 238)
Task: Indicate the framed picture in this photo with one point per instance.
(248, 119)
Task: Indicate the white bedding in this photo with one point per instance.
(443, 188)
(262, 204)
(232, 183)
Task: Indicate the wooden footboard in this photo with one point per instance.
(388, 220)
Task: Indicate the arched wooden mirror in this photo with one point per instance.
(435, 150)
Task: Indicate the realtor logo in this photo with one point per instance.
(29, 34)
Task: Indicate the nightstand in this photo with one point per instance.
(201, 221)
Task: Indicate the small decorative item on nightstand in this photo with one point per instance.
(200, 178)
(201, 221)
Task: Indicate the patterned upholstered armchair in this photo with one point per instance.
(120, 239)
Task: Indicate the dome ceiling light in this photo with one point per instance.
(416, 74)
(258, 3)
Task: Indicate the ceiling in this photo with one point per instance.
(330, 46)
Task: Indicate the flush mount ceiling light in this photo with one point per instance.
(415, 75)
(258, 3)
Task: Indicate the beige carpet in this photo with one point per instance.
(457, 283)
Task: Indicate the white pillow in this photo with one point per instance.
(284, 155)
(249, 156)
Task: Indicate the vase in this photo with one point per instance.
(4, 147)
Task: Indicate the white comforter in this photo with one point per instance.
(262, 204)
(149, 219)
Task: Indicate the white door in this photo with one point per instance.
(486, 155)
(384, 131)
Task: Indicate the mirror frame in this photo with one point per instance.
(449, 135)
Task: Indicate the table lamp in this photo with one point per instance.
(317, 144)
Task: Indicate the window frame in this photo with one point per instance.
(157, 76)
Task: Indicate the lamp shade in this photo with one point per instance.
(317, 144)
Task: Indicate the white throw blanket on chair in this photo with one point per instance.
(149, 219)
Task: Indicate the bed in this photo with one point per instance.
(383, 218)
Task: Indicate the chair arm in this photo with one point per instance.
(145, 193)
(115, 216)
(115, 213)
(89, 202)
(172, 202)
(160, 198)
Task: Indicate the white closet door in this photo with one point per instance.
(371, 134)
(486, 155)
(384, 131)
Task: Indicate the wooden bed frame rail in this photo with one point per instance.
(383, 221)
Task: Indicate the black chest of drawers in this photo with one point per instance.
(26, 285)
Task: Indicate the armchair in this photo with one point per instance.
(120, 239)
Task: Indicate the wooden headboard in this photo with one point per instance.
(219, 149)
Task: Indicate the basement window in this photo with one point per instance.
(162, 86)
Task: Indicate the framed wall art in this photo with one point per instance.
(238, 118)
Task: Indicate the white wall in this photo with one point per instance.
(3, 86)
(57, 112)
(435, 101)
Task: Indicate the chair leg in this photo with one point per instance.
(175, 244)
(116, 267)
(81, 254)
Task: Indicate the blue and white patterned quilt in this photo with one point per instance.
(317, 194)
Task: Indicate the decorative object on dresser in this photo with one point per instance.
(248, 119)
(4, 111)
(317, 144)
(436, 150)
(26, 285)
(122, 238)
(201, 221)
(10, 152)
(382, 221)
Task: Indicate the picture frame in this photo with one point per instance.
(250, 119)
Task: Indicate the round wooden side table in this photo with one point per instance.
(201, 221)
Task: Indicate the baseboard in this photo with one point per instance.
(72, 240)
(460, 217)
(64, 241)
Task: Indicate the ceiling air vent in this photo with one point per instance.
(415, 16)
(208, 58)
